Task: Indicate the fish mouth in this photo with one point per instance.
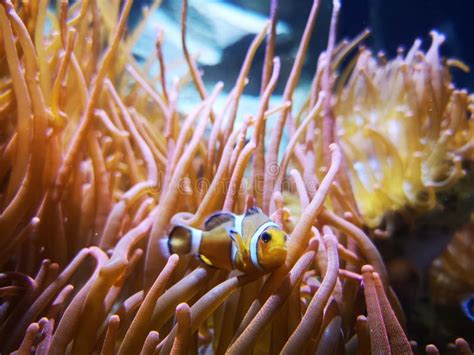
(278, 249)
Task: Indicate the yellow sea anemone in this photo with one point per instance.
(404, 129)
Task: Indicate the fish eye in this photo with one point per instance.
(266, 237)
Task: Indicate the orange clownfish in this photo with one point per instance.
(250, 242)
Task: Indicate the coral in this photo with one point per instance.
(96, 163)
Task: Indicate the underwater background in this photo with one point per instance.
(350, 124)
(393, 24)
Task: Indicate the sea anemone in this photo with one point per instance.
(97, 162)
(451, 279)
(403, 127)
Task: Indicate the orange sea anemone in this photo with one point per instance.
(97, 161)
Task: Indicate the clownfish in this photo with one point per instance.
(250, 242)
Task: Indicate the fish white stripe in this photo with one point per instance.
(239, 224)
(196, 236)
(233, 254)
(254, 242)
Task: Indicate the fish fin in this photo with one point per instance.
(183, 239)
(237, 240)
(205, 260)
(253, 210)
(233, 234)
(216, 219)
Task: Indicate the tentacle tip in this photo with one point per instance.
(174, 258)
(437, 35)
(33, 327)
(461, 342)
(334, 147)
(115, 319)
(43, 320)
(367, 269)
(182, 307)
(313, 244)
(431, 348)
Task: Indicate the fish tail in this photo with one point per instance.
(184, 240)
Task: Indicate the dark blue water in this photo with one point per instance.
(393, 24)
